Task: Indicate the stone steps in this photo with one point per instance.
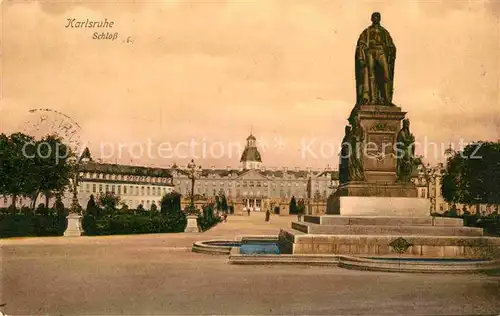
(383, 220)
(380, 230)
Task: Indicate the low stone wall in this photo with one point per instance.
(423, 246)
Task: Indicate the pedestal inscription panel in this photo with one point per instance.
(380, 152)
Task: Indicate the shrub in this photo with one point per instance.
(208, 219)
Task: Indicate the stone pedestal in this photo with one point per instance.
(74, 228)
(379, 193)
(382, 206)
(192, 224)
(381, 125)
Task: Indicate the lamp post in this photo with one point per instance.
(74, 218)
(75, 205)
(194, 172)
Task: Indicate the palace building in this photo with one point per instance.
(254, 185)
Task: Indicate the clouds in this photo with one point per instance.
(213, 69)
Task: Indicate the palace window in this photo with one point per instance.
(87, 187)
(107, 189)
(148, 191)
(100, 187)
(124, 189)
(119, 189)
(93, 188)
(113, 188)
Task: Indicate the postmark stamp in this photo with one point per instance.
(43, 122)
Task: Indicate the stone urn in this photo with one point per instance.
(192, 224)
(74, 225)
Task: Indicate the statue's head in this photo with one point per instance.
(376, 18)
(406, 123)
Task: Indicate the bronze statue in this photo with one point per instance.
(355, 164)
(345, 152)
(375, 59)
(405, 153)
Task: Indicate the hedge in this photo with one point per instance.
(26, 225)
(126, 224)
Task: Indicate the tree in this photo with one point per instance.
(221, 202)
(92, 207)
(59, 206)
(16, 177)
(51, 167)
(109, 201)
(154, 208)
(293, 206)
(171, 203)
(30, 167)
(471, 175)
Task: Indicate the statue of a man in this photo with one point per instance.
(355, 163)
(345, 153)
(375, 58)
(405, 153)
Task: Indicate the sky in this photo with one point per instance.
(182, 73)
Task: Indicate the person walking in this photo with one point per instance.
(248, 211)
(268, 215)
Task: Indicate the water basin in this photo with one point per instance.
(258, 248)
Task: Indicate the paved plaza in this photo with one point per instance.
(158, 274)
